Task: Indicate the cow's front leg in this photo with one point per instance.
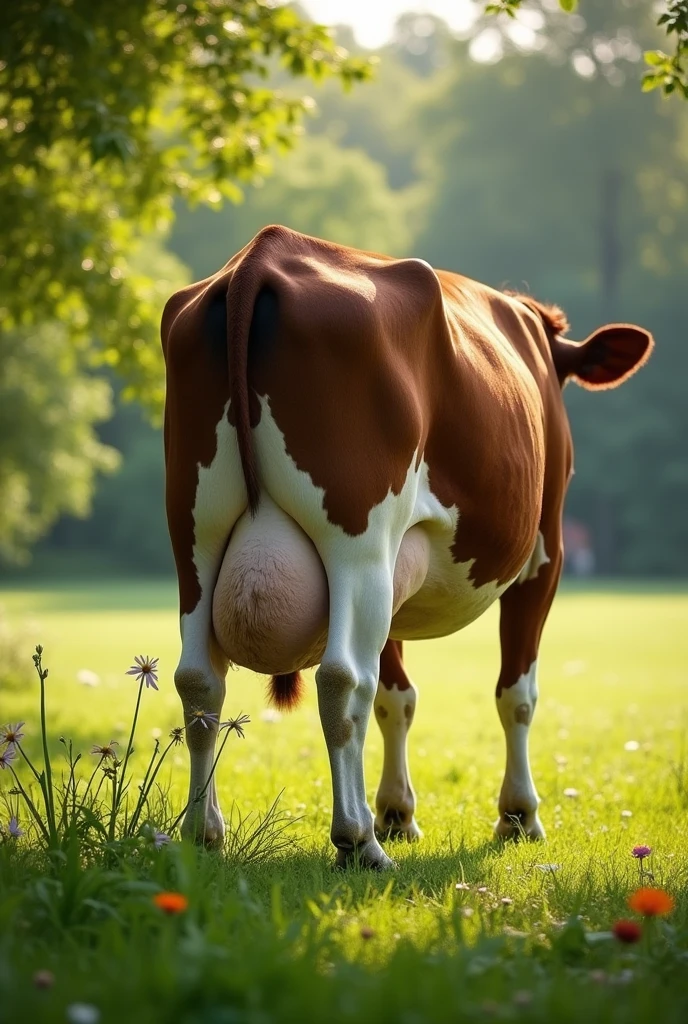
(360, 614)
(395, 706)
(524, 608)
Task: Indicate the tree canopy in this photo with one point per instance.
(548, 171)
(110, 111)
(108, 114)
(665, 71)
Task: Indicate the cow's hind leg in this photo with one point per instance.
(360, 615)
(524, 608)
(395, 705)
(199, 538)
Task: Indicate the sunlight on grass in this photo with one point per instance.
(608, 753)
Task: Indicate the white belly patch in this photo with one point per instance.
(270, 606)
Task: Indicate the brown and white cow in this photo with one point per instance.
(362, 450)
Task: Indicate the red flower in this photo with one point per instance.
(171, 902)
(651, 902)
(627, 931)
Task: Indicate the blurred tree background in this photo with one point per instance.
(524, 154)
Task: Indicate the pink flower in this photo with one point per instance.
(145, 670)
(641, 852)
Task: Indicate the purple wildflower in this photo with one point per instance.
(204, 718)
(108, 750)
(641, 852)
(237, 724)
(11, 733)
(160, 839)
(145, 670)
(8, 754)
(13, 828)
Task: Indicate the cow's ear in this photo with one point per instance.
(605, 359)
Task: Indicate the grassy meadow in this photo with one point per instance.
(526, 936)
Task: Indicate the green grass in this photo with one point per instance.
(281, 940)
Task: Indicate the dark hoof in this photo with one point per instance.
(519, 825)
(367, 855)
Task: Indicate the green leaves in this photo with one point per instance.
(109, 113)
(510, 7)
(668, 71)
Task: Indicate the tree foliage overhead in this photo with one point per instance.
(666, 71)
(107, 112)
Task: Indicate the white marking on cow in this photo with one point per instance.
(220, 499)
(360, 572)
(538, 558)
(396, 801)
(398, 578)
(518, 800)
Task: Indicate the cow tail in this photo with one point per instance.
(241, 296)
(285, 691)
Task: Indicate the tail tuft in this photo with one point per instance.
(285, 691)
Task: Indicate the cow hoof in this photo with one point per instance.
(396, 831)
(368, 855)
(519, 825)
(208, 831)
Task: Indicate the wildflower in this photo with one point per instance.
(171, 902)
(83, 1013)
(106, 751)
(571, 793)
(641, 852)
(506, 901)
(237, 724)
(145, 670)
(651, 902)
(43, 979)
(13, 828)
(627, 931)
(87, 678)
(11, 733)
(204, 718)
(462, 886)
(523, 997)
(160, 839)
(8, 754)
(177, 734)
